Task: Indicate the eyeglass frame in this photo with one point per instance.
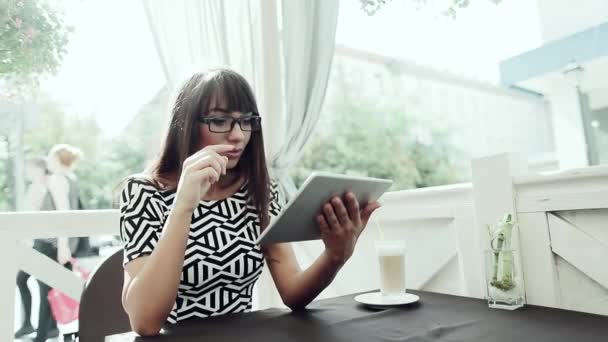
(251, 115)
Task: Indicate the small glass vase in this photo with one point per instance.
(503, 280)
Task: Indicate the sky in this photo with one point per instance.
(112, 67)
(472, 44)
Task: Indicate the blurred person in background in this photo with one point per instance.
(37, 198)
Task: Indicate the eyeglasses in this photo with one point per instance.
(223, 124)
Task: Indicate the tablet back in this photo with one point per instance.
(297, 220)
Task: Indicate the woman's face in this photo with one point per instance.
(235, 137)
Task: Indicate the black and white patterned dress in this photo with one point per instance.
(222, 261)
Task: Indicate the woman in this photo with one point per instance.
(189, 223)
(52, 188)
(64, 188)
(37, 197)
(63, 194)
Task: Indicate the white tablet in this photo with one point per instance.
(297, 222)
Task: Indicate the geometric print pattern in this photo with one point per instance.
(222, 262)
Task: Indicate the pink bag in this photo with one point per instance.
(63, 307)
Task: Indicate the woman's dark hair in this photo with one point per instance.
(182, 138)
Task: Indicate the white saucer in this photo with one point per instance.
(377, 300)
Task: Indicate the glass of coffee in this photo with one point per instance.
(391, 256)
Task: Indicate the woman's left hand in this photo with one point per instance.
(341, 223)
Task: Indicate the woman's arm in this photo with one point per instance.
(296, 287)
(151, 282)
(340, 227)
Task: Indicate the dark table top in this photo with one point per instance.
(436, 317)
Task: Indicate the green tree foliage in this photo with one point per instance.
(33, 39)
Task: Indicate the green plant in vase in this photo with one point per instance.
(502, 261)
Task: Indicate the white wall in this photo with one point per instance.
(560, 18)
(571, 147)
(490, 120)
(598, 98)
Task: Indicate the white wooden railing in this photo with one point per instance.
(562, 235)
(17, 256)
(563, 239)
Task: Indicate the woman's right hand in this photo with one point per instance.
(199, 171)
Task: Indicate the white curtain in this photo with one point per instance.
(193, 35)
(308, 36)
(309, 30)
